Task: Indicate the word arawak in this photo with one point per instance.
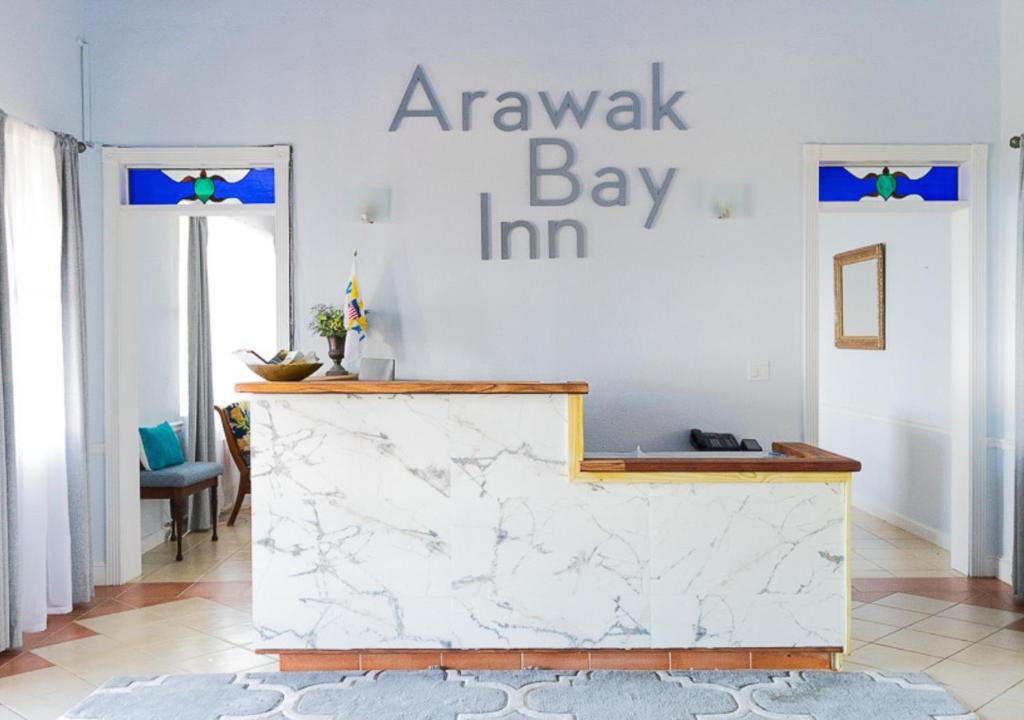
(553, 158)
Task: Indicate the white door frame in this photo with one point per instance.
(121, 444)
(970, 551)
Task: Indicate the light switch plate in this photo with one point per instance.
(759, 370)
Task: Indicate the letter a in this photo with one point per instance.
(419, 77)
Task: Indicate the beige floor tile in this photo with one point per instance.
(1001, 709)
(1006, 639)
(49, 705)
(188, 606)
(39, 682)
(233, 660)
(889, 658)
(1016, 692)
(888, 615)
(949, 627)
(870, 542)
(132, 618)
(981, 615)
(851, 666)
(43, 694)
(77, 652)
(210, 621)
(924, 643)
(868, 631)
(916, 603)
(7, 714)
(241, 634)
(991, 657)
(972, 697)
(958, 674)
(912, 563)
(130, 661)
(186, 648)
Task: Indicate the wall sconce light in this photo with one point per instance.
(724, 200)
(371, 204)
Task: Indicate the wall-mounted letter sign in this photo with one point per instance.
(553, 181)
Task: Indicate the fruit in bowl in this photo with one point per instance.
(285, 366)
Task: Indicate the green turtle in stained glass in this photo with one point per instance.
(203, 188)
(886, 184)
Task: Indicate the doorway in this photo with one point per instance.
(914, 412)
(149, 196)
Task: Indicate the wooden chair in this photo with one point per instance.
(176, 484)
(236, 432)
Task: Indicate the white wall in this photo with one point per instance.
(891, 408)
(157, 313)
(661, 322)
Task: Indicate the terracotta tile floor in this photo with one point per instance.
(194, 616)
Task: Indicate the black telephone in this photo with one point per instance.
(721, 442)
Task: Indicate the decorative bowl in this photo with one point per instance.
(292, 372)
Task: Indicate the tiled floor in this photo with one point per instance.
(194, 616)
(884, 550)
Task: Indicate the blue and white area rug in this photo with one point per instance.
(537, 695)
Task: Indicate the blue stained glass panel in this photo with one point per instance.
(837, 184)
(151, 186)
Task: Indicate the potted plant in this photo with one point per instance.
(329, 322)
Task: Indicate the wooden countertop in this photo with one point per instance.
(796, 457)
(413, 387)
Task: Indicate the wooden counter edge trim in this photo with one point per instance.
(413, 387)
(795, 658)
(799, 458)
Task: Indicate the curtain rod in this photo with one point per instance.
(82, 146)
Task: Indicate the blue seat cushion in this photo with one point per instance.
(182, 475)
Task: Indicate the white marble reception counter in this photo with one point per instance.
(424, 519)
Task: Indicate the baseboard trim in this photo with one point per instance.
(99, 573)
(155, 538)
(925, 532)
(561, 659)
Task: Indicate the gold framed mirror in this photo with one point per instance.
(859, 279)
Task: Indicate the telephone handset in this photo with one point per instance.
(721, 442)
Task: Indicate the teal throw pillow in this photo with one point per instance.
(159, 447)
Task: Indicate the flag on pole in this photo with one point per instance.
(355, 322)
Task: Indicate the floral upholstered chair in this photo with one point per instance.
(235, 420)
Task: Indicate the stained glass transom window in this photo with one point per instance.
(882, 184)
(247, 186)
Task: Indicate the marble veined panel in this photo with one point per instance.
(748, 564)
(509, 445)
(351, 514)
(555, 571)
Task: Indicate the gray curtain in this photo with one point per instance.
(201, 437)
(73, 310)
(1018, 523)
(10, 624)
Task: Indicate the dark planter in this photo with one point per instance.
(336, 352)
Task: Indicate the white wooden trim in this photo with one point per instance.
(893, 207)
(123, 523)
(969, 461)
(812, 159)
(850, 412)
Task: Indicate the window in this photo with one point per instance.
(915, 183)
(246, 186)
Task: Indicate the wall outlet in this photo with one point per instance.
(759, 370)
